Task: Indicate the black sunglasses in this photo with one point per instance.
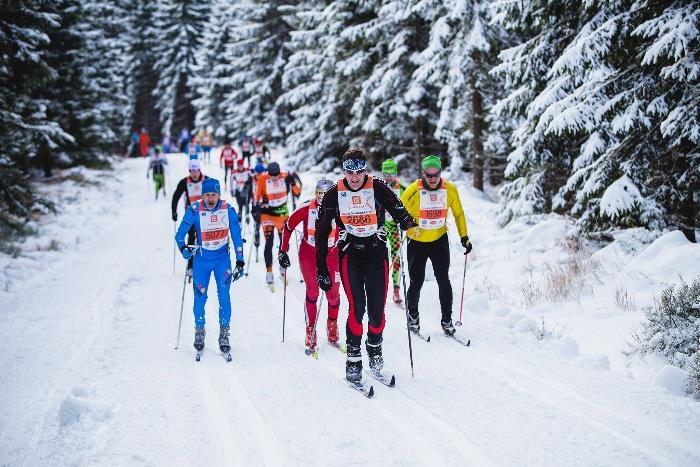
(427, 175)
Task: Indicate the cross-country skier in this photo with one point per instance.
(213, 218)
(258, 171)
(228, 155)
(191, 187)
(428, 199)
(271, 202)
(242, 189)
(262, 154)
(206, 141)
(358, 203)
(193, 149)
(390, 174)
(307, 214)
(246, 146)
(156, 167)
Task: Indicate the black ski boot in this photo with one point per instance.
(223, 339)
(199, 334)
(448, 327)
(413, 322)
(374, 352)
(353, 365)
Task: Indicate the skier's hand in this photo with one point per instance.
(466, 244)
(283, 259)
(323, 278)
(409, 224)
(175, 216)
(239, 271)
(186, 252)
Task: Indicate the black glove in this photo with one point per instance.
(256, 237)
(174, 216)
(323, 278)
(239, 271)
(409, 224)
(466, 244)
(283, 259)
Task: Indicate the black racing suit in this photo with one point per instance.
(364, 261)
(179, 191)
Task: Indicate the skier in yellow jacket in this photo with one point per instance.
(428, 200)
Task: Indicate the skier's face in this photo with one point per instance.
(195, 174)
(431, 177)
(390, 178)
(355, 178)
(210, 200)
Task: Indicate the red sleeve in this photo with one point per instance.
(299, 215)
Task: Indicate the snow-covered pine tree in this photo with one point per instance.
(24, 126)
(462, 49)
(257, 53)
(393, 115)
(212, 69)
(179, 26)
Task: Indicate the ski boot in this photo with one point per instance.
(224, 344)
(269, 278)
(374, 352)
(310, 341)
(413, 322)
(448, 327)
(397, 295)
(199, 334)
(332, 330)
(353, 365)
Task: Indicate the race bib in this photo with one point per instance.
(214, 226)
(357, 209)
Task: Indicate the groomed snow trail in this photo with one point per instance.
(90, 374)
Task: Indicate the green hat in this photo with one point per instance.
(431, 162)
(389, 167)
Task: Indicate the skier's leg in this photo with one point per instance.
(376, 284)
(307, 264)
(333, 295)
(268, 232)
(223, 274)
(352, 277)
(439, 253)
(392, 234)
(417, 258)
(200, 284)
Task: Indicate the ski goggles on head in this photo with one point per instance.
(354, 166)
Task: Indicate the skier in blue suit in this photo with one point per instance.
(214, 219)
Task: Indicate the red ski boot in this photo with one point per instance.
(332, 328)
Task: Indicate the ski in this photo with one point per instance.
(382, 377)
(336, 345)
(368, 392)
(227, 356)
(271, 286)
(311, 352)
(425, 337)
(198, 355)
(460, 339)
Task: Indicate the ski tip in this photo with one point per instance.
(469, 343)
(392, 383)
(428, 339)
(370, 393)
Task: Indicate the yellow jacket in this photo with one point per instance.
(411, 199)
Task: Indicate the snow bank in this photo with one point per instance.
(673, 379)
(669, 258)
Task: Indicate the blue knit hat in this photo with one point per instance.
(259, 169)
(211, 185)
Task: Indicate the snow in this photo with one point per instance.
(621, 197)
(90, 374)
(673, 379)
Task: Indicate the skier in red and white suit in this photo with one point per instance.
(307, 214)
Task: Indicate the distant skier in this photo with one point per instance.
(184, 139)
(390, 175)
(258, 171)
(428, 199)
(246, 146)
(358, 203)
(228, 155)
(242, 189)
(156, 167)
(307, 214)
(271, 202)
(144, 142)
(206, 141)
(193, 149)
(262, 154)
(213, 220)
(191, 187)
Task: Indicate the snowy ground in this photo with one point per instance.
(90, 374)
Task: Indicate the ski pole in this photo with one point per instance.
(174, 247)
(461, 302)
(250, 255)
(405, 300)
(182, 304)
(284, 303)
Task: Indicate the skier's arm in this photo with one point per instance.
(295, 218)
(456, 205)
(181, 188)
(388, 199)
(292, 185)
(266, 152)
(235, 228)
(188, 221)
(324, 223)
(411, 200)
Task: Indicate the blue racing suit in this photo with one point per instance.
(208, 261)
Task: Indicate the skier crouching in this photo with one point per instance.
(213, 218)
(307, 214)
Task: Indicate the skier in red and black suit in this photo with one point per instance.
(358, 204)
(228, 155)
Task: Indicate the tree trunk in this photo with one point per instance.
(477, 144)
(688, 217)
